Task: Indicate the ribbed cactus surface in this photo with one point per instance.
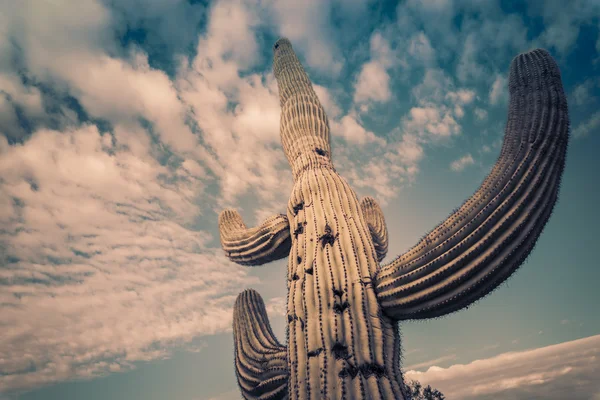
(343, 307)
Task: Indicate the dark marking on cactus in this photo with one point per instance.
(298, 207)
(295, 277)
(339, 308)
(299, 259)
(338, 292)
(294, 317)
(349, 370)
(340, 351)
(367, 370)
(309, 270)
(299, 230)
(328, 238)
(314, 353)
(320, 151)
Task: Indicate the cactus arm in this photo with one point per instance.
(267, 242)
(376, 223)
(260, 361)
(491, 234)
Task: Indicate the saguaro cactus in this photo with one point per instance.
(343, 307)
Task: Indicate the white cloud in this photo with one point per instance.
(351, 130)
(562, 25)
(434, 86)
(306, 24)
(106, 271)
(494, 38)
(373, 81)
(499, 90)
(443, 359)
(420, 48)
(462, 163)
(276, 306)
(565, 370)
(581, 95)
(459, 99)
(431, 122)
(587, 127)
(480, 114)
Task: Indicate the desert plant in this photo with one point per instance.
(418, 392)
(343, 307)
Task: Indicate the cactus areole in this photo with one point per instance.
(342, 305)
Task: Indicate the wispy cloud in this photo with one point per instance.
(499, 90)
(588, 126)
(429, 363)
(462, 163)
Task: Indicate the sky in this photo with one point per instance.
(126, 126)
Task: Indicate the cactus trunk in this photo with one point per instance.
(339, 343)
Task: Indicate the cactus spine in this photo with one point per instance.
(343, 307)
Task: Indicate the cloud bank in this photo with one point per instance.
(563, 371)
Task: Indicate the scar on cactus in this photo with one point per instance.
(343, 306)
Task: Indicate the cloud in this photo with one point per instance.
(562, 25)
(105, 266)
(449, 357)
(462, 163)
(565, 370)
(488, 37)
(306, 24)
(581, 94)
(587, 127)
(499, 90)
(277, 306)
(420, 48)
(102, 269)
(460, 98)
(431, 122)
(373, 81)
(480, 114)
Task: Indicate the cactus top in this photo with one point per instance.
(304, 124)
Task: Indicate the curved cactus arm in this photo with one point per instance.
(254, 246)
(491, 234)
(376, 223)
(260, 361)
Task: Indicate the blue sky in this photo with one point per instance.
(126, 126)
